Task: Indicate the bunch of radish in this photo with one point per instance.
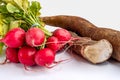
(32, 47)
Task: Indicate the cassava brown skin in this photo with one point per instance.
(85, 28)
(93, 51)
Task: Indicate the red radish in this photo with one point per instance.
(62, 34)
(26, 55)
(14, 38)
(35, 37)
(53, 43)
(12, 54)
(44, 57)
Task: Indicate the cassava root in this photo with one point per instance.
(93, 51)
(84, 28)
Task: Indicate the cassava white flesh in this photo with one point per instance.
(97, 52)
(93, 51)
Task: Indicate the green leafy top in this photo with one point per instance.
(23, 10)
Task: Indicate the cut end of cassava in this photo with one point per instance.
(98, 52)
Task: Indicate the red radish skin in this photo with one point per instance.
(53, 43)
(26, 55)
(35, 37)
(12, 54)
(14, 38)
(62, 34)
(44, 57)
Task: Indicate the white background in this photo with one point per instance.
(103, 13)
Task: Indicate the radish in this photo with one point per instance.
(14, 38)
(44, 57)
(26, 55)
(35, 37)
(12, 54)
(62, 34)
(53, 43)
